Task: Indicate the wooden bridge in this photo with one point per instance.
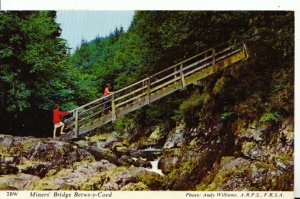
(130, 98)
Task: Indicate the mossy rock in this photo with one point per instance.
(122, 150)
(152, 180)
(169, 160)
(83, 143)
(135, 187)
(286, 157)
(247, 147)
(156, 135)
(4, 152)
(99, 137)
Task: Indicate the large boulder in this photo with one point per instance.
(176, 139)
(103, 154)
(77, 178)
(156, 136)
(169, 160)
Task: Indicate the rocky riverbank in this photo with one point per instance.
(217, 156)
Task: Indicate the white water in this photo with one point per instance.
(154, 168)
(154, 164)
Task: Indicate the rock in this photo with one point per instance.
(142, 163)
(52, 150)
(287, 129)
(253, 131)
(4, 152)
(247, 147)
(6, 141)
(83, 155)
(39, 169)
(122, 150)
(232, 174)
(116, 144)
(103, 153)
(281, 165)
(125, 178)
(81, 177)
(193, 165)
(135, 187)
(23, 145)
(156, 135)
(83, 143)
(169, 160)
(126, 160)
(110, 141)
(134, 146)
(152, 180)
(175, 139)
(111, 187)
(6, 169)
(17, 182)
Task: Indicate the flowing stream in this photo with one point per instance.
(154, 168)
(154, 162)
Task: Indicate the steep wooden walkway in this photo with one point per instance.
(130, 98)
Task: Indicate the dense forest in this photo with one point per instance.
(246, 107)
(37, 70)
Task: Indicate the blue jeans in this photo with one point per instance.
(105, 105)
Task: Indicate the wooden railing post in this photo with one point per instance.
(245, 50)
(113, 108)
(182, 77)
(75, 114)
(213, 56)
(148, 90)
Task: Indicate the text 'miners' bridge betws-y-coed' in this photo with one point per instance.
(90, 116)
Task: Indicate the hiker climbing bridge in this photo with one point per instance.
(130, 98)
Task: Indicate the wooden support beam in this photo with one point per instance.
(113, 108)
(148, 90)
(76, 132)
(213, 56)
(182, 77)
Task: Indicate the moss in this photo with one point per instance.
(246, 147)
(28, 163)
(218, 180)
(30, 143)
(152, 180)
(219, 85)
(226, 159)
(156, 134)
(82, 143)
(285, 157)
(186, 168)
(135, 187)
(99, 137)
(4, 152)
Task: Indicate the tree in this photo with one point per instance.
(32, 67)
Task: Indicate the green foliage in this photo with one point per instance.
(193, 102)
(37, 71)
(33, 75)
(271, 117)
(227, 115)
(31, 60)
(124, 124)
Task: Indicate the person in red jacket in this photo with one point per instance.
(57, 121)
